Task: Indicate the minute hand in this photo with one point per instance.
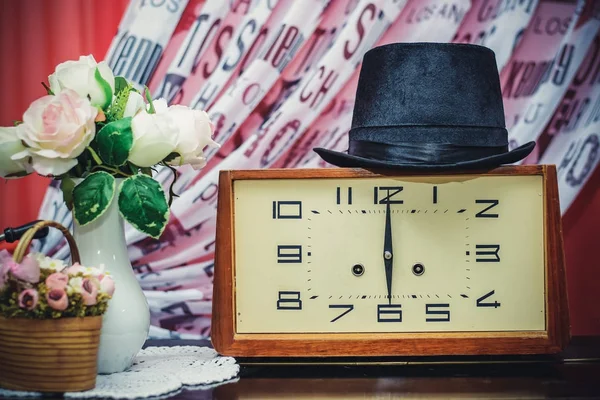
(388, 254)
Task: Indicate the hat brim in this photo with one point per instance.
(351, 161)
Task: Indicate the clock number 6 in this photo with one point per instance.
(389, 313)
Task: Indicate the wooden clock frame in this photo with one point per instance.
(228, 342)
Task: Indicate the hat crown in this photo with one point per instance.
(429, 84)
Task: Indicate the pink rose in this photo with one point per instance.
(89, 292)
(56, 130)
(57, 299)
(74, 269)
(28, 299)
(57, 280)
(107, 285)
(4, 256)
(28, 270)
(6, 264)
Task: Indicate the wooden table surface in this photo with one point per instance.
(573, 374)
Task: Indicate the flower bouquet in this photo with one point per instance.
(50, 319)
(92, 127)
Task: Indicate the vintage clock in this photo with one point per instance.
(348, 262)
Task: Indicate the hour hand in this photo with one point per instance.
(388, 253)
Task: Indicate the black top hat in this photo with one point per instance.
(428, 106)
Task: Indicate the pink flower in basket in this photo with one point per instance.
(74, 269)
(57, 299)
(28, 299)
(57, 280)
(88, 288)
(28, 270)
(6, 264)
(107, 285)
(89, 292)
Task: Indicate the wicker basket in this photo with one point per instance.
(48, 355)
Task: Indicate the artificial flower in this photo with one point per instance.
(74, 269)
(107, 285)
(86, 287)
(154, 136)
(135, 104)
(10, 144)
(195, 133)
(78, 268)
(6, 263)
(50, 263)
(27, 270)
(57, 299)
(56, 130)
(28, 299)
(89, 291)
(82, 77)
(57, 280)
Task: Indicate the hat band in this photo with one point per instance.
(425, 153)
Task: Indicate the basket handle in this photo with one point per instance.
(28, 236)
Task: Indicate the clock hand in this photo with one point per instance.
(388, 252)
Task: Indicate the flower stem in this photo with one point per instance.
(110, 169)
(95, 156)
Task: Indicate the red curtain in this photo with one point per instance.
(35, 35)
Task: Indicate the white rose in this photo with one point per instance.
(80, 76)
(154, 136)
(10, 144)
(135, 103)
(195, 133)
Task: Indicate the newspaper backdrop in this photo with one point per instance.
(278, 78)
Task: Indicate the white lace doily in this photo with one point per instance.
(158, 372)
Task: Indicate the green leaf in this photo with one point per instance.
(67, 185)
(17, 123)
(143, 204)
(114, 141)
(105, 86)
(121, 84)
(149, 98)
(92, 197)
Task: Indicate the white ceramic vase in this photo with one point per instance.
(126, 322)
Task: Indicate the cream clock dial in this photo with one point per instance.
(410, 254)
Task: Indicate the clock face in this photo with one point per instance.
(409, 254)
